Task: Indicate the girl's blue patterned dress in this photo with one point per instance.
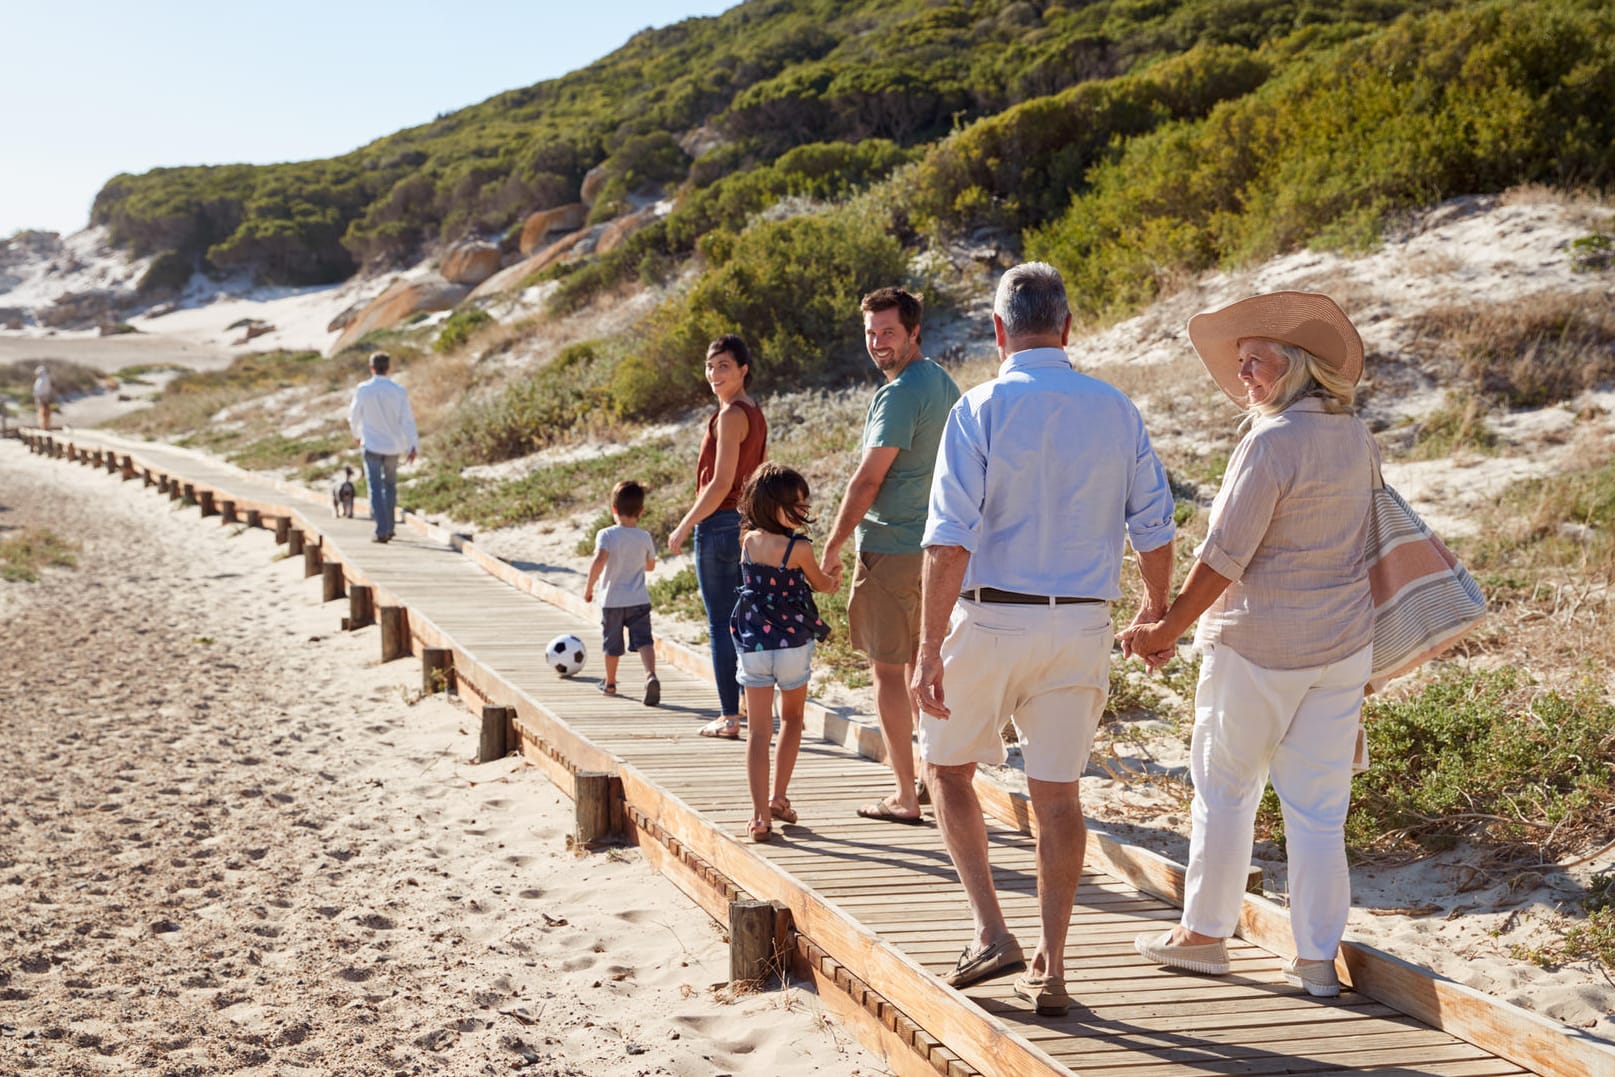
(775, 607)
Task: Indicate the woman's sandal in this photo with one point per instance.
(723, 730)
(780, 808)
(760, 830)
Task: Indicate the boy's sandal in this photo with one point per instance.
(780, 808)
(760, 830)
(608, 688)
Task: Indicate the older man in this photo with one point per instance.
(1042, 473)
(384, 426)
(885, 504)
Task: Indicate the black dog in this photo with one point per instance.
(342, 495)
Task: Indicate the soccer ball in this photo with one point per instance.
(565, 655)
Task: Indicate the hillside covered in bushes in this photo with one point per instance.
(804, 151)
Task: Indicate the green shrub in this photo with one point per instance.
(458, 328)
(1459, 424)
(1475, 99)
(167, 274)
(790, 287)
(1491, 758)
(530, 413)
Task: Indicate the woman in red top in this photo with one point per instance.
(736, 441)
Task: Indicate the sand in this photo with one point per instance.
(233, 842)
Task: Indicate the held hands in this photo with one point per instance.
(1151, 641)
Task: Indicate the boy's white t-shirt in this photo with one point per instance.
(622, 583)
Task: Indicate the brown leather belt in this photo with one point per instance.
(1015, 598)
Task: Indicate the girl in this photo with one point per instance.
(775, 625)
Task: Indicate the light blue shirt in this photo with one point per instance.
(1041, 474)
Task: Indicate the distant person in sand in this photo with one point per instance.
(736, 441)
(384, 426)
(775, 625)
(623, 553)
(1042, 474)
(1280, 590)
(44, 394)
(885, 507)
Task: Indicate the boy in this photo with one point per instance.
(623, 554)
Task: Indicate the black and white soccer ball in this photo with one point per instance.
(565, 655)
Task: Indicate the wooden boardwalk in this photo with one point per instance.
(875, 911)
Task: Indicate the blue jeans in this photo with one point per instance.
(717, 570)
(381, 474)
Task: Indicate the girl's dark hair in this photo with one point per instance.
(736, 347)
(774, 491)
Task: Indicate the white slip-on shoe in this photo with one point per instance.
(1319, 979)
(1210, 958)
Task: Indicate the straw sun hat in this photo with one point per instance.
(1306, 319)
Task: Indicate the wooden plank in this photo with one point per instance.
(981, 1041)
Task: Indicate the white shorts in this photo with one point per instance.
(785, 669)
(1046, 667)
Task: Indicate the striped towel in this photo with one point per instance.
(1424, 600)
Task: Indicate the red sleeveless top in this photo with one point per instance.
(753, 448)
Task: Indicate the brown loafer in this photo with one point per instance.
(987, 962)
(1047, 994)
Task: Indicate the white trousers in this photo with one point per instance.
(1300, 726)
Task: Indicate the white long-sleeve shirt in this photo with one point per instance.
(380, 417)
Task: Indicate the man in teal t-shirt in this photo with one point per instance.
(885, 503)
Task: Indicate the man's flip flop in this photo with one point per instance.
(881, 810)
(721, 729)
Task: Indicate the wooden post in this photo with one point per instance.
(111, 461)
(294, 542)
(283, 530)
(174, 491)
(752, 957)
(437, 670)
(311, 559)
(127, 465)
(150, 479)
(394, 632)
(254, 518)
(495, 733)
(591, 799)
(205, 498)
(334, 588)
(361, 606)
(227, 510)
(188, 490)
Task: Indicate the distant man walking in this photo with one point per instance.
(1041, 474)
(885, 504)
(44, 393)
(383, 424)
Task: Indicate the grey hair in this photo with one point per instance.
(1031, 300)
(1306, 375)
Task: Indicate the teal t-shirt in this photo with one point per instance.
(907, 413)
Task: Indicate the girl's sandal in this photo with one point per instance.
(780, 808)
(760, 830)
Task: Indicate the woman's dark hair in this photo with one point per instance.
(774, 490)
(736, 347)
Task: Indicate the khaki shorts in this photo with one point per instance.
(1047, 667)
(883, 610)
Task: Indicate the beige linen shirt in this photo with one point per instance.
(1289, 527)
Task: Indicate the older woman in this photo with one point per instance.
(1280, 589)
(736, 441)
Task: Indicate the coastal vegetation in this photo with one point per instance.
(24, 555)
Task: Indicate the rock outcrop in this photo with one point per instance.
(540, 226)
(398, 302)
(470, 263)
(620, 228)
(512, 275)
(593, 180)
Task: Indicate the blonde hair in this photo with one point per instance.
(1306, 375)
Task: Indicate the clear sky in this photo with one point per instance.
(91, 88)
